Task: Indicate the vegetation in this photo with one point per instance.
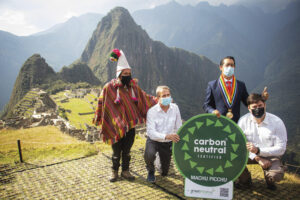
(76, 106)
(59, 85)
(47, 145)
(42, 144)
(36, 73)
(78, 72)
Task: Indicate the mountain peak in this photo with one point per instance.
(116, 30)
(152, 62)
(118, 17)
(35, 71)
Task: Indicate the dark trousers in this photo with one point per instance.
(122, 148)
(164, 150)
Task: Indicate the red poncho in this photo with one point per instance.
(117, 114)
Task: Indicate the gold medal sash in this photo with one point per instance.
(228, 96)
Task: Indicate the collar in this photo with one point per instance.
(159, 109)
(230, 80)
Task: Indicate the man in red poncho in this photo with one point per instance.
(121, 106)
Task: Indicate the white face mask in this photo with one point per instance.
(228, 71)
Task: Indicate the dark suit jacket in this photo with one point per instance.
(214, 99)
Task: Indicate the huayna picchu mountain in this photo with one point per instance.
(152, 62)
(36, 73)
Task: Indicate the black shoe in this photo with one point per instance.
(238, 185)
(114, 176)
(271, 187)
(164, 174)
(151, 177)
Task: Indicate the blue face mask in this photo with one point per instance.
(228, 71)
(166, 101)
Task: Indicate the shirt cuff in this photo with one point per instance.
(252, 155)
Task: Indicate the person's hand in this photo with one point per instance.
(217, 113)
(264, 163)
(265, 94)
(251, 147)
(173, 137)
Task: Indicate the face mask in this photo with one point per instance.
(126, 80)
(166, 101)
(228, 71)
(258, 112)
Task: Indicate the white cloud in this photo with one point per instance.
(14, 22)
(26, 17)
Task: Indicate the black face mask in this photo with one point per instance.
(126, 80)
(258, 112)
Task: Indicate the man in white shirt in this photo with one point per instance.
(163, 121)
(267, 138)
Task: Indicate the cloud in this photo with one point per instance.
(27, 17)
(15, 22)
(31, 16)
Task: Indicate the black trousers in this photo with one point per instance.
(164, 150)
(122, 148)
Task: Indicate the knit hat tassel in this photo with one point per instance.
(133, 97)
(117, 101)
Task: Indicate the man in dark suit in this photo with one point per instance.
(224, 95)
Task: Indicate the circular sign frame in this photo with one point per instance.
(211, 151)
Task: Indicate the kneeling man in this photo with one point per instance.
(163, 121)
(267, 138)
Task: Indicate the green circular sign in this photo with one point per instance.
(211, 151)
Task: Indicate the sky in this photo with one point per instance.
(26, 17)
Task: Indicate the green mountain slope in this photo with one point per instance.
(59, 45)
(34, 72)
(78, 72)
(282, 79)
(152, 62)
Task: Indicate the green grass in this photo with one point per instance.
(42, 144)
(78, 106)
(48, 145)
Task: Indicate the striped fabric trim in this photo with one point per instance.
(117, 119)
(229, 99)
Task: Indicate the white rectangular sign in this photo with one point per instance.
(192, 189)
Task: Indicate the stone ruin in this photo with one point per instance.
(46, 113)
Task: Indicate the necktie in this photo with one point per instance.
(228, 85)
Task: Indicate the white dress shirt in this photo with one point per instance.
(161, 123)
(270, 135)
(230, 80)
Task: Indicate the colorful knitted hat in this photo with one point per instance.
(118, 55)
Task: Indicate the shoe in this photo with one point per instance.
(247, 185)
(164, 174)
(114, 176)
(271, 187)
(127, 175)
(151, 177)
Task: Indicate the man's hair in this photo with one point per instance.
(254, 98)
(160, 88)
(227, 57)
